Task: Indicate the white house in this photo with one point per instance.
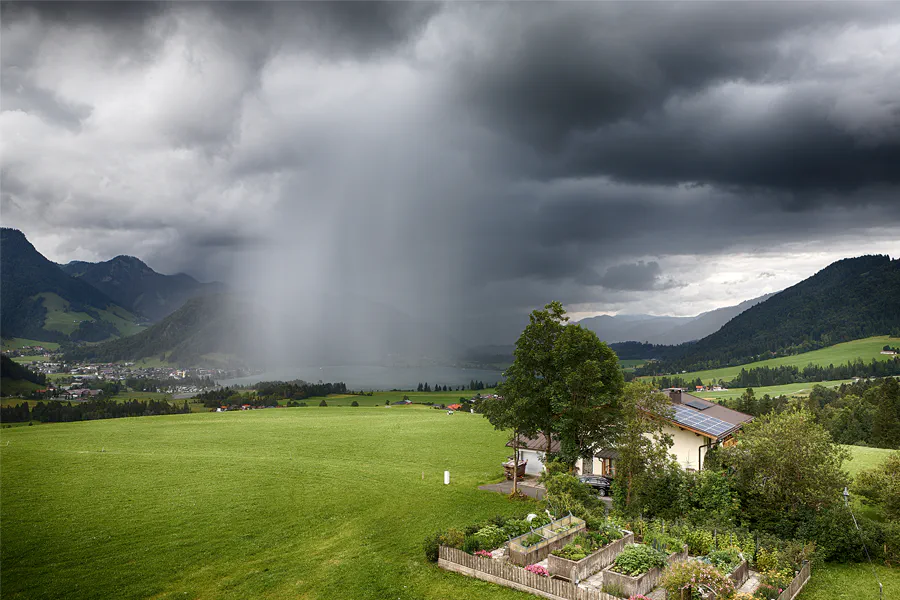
(696, 426)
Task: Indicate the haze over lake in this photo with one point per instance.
(374, 377)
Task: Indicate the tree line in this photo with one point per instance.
(55, 411)
(474, 385)
(864, 413)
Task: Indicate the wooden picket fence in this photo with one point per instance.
(511, 576)
(797, 584)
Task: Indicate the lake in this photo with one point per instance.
(375, 378)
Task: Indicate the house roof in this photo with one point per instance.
(538, 442)
(704, 417)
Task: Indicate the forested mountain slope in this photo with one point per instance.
(41, 302)
(850, 299)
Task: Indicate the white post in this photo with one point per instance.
(446, 477)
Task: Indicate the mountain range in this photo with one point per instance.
(83, 301)
(662, 329)
(131, 283)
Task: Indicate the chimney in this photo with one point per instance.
(675, 396)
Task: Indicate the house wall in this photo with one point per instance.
(598, 466)
(535, 460)
(687, 447)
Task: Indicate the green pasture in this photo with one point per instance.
(16, 343)
(30, 359)
(866, 349)
(143, 396)
(59, 317)
(865, 458)
(790, 389)
(290, 503)
(851, 582)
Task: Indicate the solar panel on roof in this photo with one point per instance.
(701, 422)
(698, 404)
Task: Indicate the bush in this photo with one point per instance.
(470, 544)
(662, 541)
(516, 527)
(538, 570)
(699, 541)
(637, 559)
(531, 540)
(695, 579)
(838, 539)
(323, 403)
(489, 537)
(354, 403)
(725, 560)
(452, 538)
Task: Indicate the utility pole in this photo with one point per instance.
(862, 539)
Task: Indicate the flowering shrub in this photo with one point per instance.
(484, 553)
(538, 570)
(639, 597)
(772, 583)
(695, 580)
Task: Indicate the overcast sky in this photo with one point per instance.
(462, 158)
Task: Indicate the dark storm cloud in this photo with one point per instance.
(522, 152)
(640, 276)
(606, 89)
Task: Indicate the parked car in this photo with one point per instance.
(601, 484)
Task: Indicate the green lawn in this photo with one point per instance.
(865, 458)
(289, 503)
(16, 343)
(851, 582)
(866, 349)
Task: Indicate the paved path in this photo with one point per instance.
(751, 584)
(505, 487)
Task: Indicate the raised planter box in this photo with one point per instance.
(528, 555)
(575, 571)
(740, 574)
(642, 584)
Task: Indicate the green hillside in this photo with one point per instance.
(865, 349)
(40, 302)
(203, 326)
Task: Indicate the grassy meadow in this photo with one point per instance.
(16, 343)
(306, 503)
(866, 349)
(790, 389)
(851, 582)
(865, 458)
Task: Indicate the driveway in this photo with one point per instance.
(505, 487)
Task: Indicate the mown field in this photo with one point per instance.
(290, 503)
(866, 349)
(851, 582)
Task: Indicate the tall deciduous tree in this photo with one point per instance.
(642, 444)
(565, 383)
(785, 463)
